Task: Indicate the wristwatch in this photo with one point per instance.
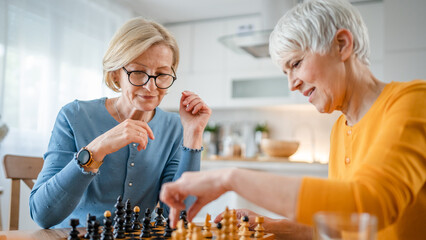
(85, 159)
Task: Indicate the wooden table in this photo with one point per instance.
(40, 234)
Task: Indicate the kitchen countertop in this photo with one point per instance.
(281, 166)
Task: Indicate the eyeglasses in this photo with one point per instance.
(140, 78)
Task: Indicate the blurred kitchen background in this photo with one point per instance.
(51, 53)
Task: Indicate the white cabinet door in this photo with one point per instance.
(184, 37)
(209, 54)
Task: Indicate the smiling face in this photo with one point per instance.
(156, 60)
(319, 77)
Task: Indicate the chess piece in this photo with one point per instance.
(182, 216)
(146, 227)
(159, 219)
(128, 217)
(148, 214)
(233, 225)
(119, 230)
(207, 226)
(244, 231)
(226, 224)
(181, 228)
(89, 227)
(196, 234)
(95, 234)
(260, 230)
(190, 230)
(73, 235)
(168, 230)
(119, 212)
(107, 232)
(219, 231)
(136, 223)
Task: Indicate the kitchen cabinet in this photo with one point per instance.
(184, 37)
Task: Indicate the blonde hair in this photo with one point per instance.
(130, 41)
(311, 26)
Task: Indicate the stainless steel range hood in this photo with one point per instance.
(256, 43)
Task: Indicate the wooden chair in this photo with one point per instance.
(20, 168)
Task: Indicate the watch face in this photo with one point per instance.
(83, 156)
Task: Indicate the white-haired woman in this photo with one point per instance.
(124, 146)
(377, 158)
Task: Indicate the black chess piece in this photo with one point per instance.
(73, 235)
(146, 227)
(182, 216)
(119, 212)
(89, 226)
(107, 232)
(128, 217)
(95, 234)
(136, 223)
(159, 219)
(168, 230)
(119, 232)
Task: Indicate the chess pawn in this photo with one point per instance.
(159, 219)
(181, 228)
(107, 232)
(182, 216)
(244, 232)
(260, 230)
(207, 226)
(168, 230)
(190, 230)
(219, 231)
(73, 235)
(136, 226)
(196, 234)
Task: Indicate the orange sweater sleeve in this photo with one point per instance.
(392, 165)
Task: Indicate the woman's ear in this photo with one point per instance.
(344, 40)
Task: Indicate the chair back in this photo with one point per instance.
(19, 168)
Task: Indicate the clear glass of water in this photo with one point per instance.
(344, 226)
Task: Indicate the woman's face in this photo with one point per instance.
(157, 59)
(319, 77)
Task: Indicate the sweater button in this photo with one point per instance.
(130, 184)
(347, 160)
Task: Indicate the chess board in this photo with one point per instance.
(127, 224)
(158, 234)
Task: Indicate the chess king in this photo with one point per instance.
(128, 146)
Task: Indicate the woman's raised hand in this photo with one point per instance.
(194, 115)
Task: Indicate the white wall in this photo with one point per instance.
(405, 44)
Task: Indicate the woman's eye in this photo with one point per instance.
(297, 63)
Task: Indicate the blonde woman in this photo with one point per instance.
(125, 146)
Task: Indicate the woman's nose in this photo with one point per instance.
(150, 85)
(292, 83)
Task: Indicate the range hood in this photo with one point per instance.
(256, 43)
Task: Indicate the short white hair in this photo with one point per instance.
(311, 26)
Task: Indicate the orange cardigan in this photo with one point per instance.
(378, 165)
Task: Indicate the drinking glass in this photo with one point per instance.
(344, 226)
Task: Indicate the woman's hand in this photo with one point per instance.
(128, 131)
(281, 228)
(205, 186)
(194, 115)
